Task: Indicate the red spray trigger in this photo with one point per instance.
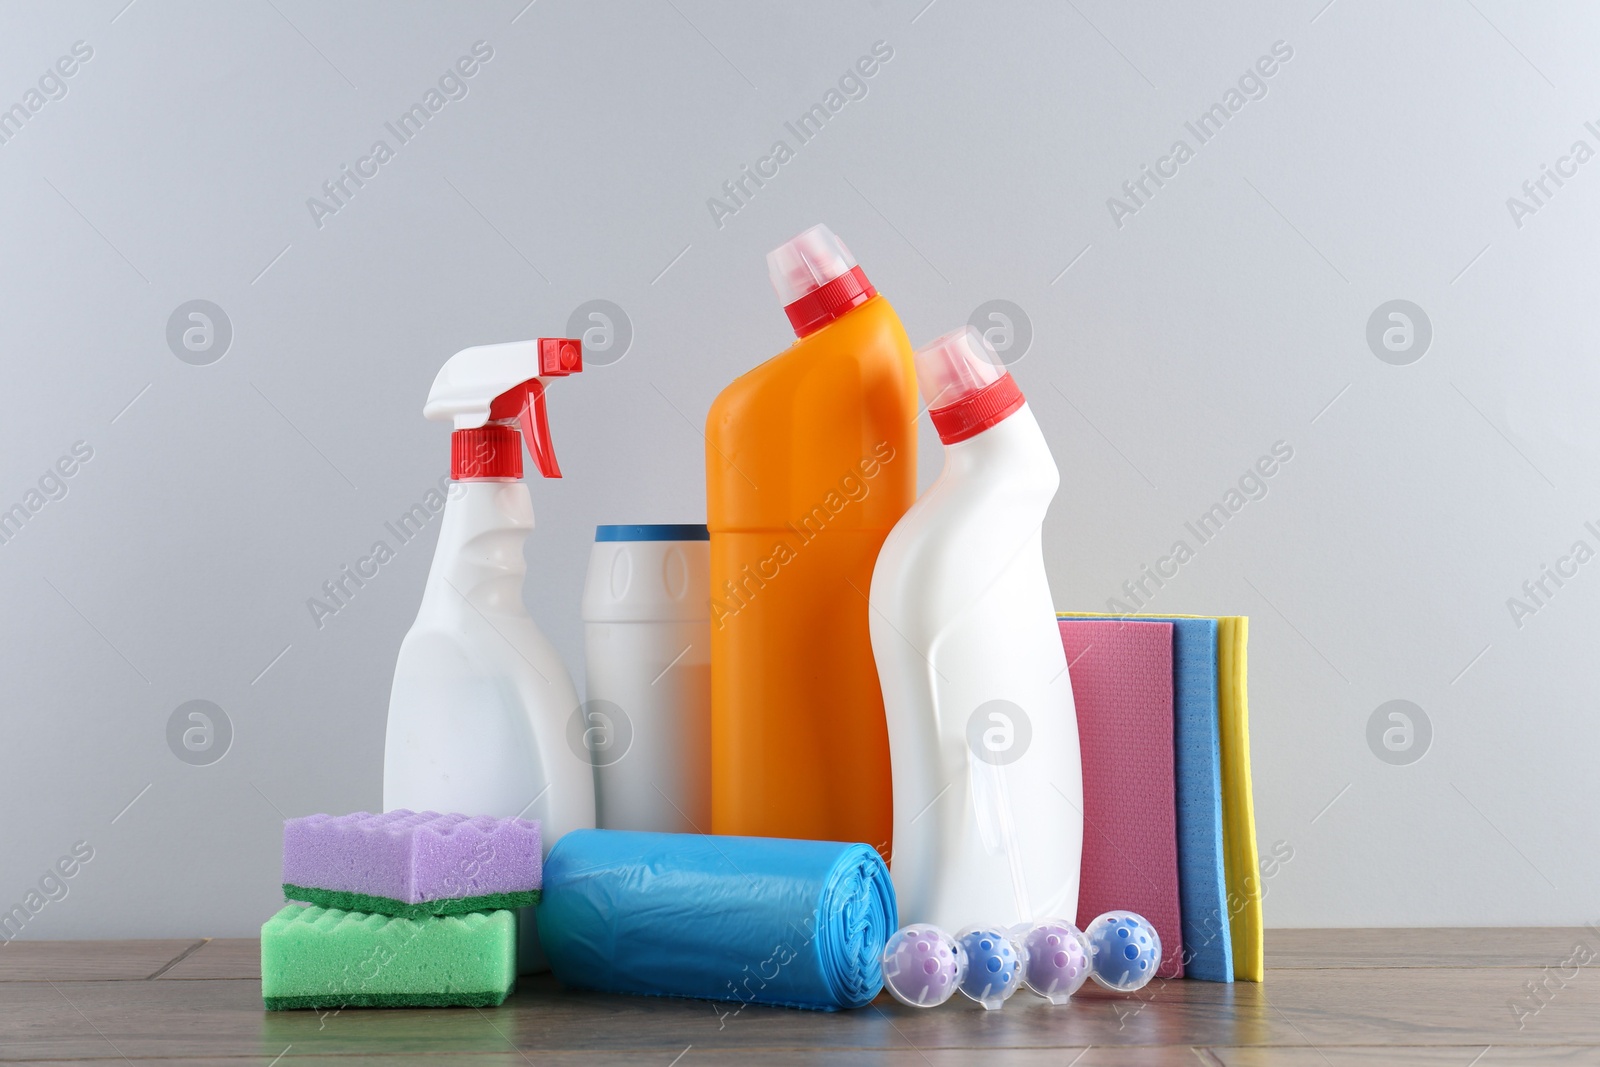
(536, 429)
(558, 357)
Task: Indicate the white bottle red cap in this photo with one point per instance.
(817, 279)
(964, 384)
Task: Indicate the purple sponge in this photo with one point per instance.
(412, 864)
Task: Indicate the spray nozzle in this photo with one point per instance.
(503, 385)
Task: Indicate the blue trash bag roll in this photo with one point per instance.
(800, 924)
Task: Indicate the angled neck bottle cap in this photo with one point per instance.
(817, 279)
(964, 384)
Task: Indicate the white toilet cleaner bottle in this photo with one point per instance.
(983, 736)
(479, 709)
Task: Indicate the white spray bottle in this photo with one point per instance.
(478, 713)
(983, 736)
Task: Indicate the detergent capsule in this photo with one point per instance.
(994, 965)
(1057, 955)
(923, 966)
(1125, 950)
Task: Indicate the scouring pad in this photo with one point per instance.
(411, 864)
(313, 957)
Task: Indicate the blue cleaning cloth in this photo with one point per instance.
(799, 924)
(1197, 746)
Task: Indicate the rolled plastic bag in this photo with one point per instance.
(800, 924)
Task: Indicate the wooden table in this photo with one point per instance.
(1332, 997)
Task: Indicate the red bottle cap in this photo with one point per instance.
(484, 452)
(978, 411)
(965, 385)
(816, 309)
(817, 279)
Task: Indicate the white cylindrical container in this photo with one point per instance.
(647, 647)
(983, 737)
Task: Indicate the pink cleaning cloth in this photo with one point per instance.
(1122, 684)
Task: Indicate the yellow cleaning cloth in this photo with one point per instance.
(1238, 808)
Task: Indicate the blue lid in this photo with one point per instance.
(671, 531)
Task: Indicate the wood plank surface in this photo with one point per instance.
(78, 961)
(1332, 997)
(222, 957)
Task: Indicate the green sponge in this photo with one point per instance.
(314, 957)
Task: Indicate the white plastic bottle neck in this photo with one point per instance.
(1012, 449)
(478, 563)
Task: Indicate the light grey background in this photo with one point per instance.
(1168, 354)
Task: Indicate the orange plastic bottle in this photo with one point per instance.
(811, 459)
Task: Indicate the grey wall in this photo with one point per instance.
(1172, 345)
